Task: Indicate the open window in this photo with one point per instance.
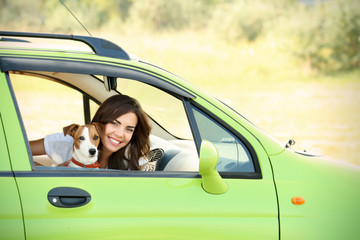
(47, 106)
(171, 132)
(50, 101)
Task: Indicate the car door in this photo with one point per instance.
(60, 202)
(11, 222)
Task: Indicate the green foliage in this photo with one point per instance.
(18, 13)
(93, 14)
(160, 15)
(247, 20)
(329, 38)
(240, 20)
(52, 16)
(325, 35)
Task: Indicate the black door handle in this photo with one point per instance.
(68, 197)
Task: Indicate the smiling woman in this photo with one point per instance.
(123, 127)
(127, 131)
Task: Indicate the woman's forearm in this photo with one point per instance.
(37, 147)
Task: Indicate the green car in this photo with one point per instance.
(216, 175)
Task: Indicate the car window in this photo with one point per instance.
(171, 131)
(233, 154)
(46, 106)
(167, 110)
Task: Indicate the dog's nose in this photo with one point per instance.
(92, 151)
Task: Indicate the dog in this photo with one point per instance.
(86, 141)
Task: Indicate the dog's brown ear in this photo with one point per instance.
(99, 128)
(71, 129)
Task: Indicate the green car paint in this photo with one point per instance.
(331, 196)
(182, 209)
(172, 205)
(11, 218)
(13, 132)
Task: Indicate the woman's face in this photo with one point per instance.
(119, 132)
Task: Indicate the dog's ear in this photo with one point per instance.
(71, 129)
(99, 128)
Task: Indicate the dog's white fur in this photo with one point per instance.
(86, 141)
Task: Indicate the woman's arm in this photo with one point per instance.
(37, 147)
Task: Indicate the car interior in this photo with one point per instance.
(73, 98)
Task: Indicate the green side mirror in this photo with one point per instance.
(211, 179)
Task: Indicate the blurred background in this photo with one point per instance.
(292, 67)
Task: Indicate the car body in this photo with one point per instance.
(217, 175)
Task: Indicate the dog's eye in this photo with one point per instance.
(96, 137)
(81, 138)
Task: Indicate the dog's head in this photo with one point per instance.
(86, 140)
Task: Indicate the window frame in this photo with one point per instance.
(105, 68)
(189, 104)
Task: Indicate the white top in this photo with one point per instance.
(59, 148)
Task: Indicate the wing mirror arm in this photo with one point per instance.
(110, 83)
(211, 179)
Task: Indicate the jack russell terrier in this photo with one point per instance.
(86, 141)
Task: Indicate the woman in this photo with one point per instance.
(125, 142)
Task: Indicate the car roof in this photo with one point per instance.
(26, 43)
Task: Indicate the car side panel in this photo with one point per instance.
(13, 130)
(331, 192)
(149, 208)
(11, 222)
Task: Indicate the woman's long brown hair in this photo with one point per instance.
(139, 145)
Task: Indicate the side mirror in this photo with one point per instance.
(211, 179)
